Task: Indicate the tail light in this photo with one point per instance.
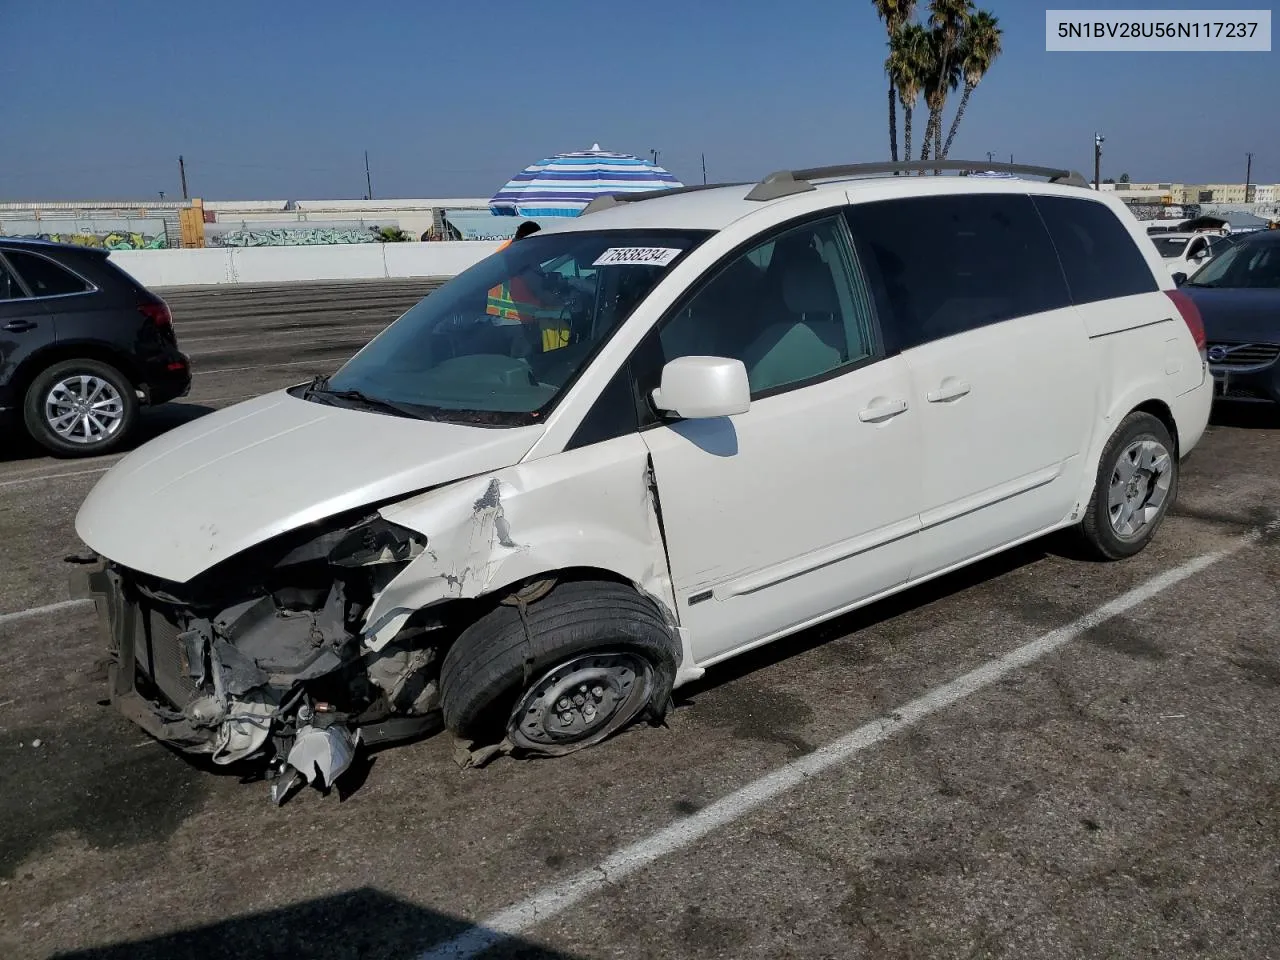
(1191, 316)
(157, 311)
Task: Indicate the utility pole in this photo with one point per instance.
(704, 169)
(182, 172)
(1097, 161)
(367, 182)
(1248, 174)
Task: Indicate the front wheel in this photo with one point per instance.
(1137, 483)
(80, 408)
(572, 669)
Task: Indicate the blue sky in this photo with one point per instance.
(279, 99)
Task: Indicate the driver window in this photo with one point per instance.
(1198, 246)
(792, 308)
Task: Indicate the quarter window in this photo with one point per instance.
(10, 289)
(44, 277)
(1098, 254)
(953, 263)
(792, 309)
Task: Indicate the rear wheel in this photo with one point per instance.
(1137, 483)
(80, 408)
(583, 662)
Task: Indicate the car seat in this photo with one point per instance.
(808, 338)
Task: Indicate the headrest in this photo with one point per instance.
(807, 287)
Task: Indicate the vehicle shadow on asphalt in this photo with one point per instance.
(1246, 416)
(363, 924)
(152, 422)
(1060, 544)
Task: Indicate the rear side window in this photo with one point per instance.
(10, 289)
(1098, 254)
(44, 277)
(951, 264)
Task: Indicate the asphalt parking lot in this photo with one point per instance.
(1107, 784)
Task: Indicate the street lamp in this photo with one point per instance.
(1097, 161)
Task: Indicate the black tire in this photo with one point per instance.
(33, 408)
(492, 663)
(1097, 529)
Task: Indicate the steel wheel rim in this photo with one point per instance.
(582, 700)
(1139, 489)
(84, 409)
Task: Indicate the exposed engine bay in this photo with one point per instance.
(260, 661)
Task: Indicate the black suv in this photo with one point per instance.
(82, 346)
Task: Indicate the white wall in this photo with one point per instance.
(351, 261)
(168, 268)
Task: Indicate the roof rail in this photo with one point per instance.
(607, 200)
(783, 183)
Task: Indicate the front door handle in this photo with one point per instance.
(949, 389)
(20, 326)
(881, 409)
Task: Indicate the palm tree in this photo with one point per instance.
(937, 81)
(978, 50)
(894, 13)
(948, 19)
(906, 66)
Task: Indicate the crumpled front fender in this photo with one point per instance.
(591, 507)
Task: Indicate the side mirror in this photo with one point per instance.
(700, 388)
(1179, 278)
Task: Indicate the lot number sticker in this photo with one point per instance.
(636, 257)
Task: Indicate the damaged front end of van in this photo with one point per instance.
(262, 656)
(285, 631)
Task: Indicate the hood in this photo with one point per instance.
(208, 490)
(1245, 314)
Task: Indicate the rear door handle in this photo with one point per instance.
(949, 389)
(882, 409)
(20, 326)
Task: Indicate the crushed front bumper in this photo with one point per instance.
(143, 645)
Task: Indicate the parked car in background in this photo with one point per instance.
(1187, 252)
(636, 444)
(83, 345)
(1238, 295)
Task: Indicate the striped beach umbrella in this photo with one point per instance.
(561, 186)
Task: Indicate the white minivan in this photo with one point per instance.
(634, 445)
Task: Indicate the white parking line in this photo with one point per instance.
(264, 366)
(345, 328)
(41, 611)
(197, 355)
(52, 476)
(559, 897)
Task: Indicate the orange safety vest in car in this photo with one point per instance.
(513, 300)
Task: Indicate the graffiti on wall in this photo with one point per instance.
(115, 240)
(286, 237)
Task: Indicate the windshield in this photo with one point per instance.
(1242, 264)
(1170, 247)
(500, 342)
